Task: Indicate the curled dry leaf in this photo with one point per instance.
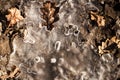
(99, 19)
(109, 45)
(115, 40)
(102, 48)
(14, 16)
(11, 75)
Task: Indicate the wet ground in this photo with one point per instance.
(59, 39)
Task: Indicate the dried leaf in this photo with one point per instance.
(11, 75)
(99, 19)
(117, 41)
(109, 45)
(49, 14)
(102, 48)
(14, 16)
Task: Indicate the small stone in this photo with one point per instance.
(53, 60)
(102, 2)
(57, 45)
(61, 61)
(39, 59)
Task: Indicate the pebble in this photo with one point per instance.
(53, 60)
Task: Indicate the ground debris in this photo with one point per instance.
(14, 16)
(4, 46)
(50, 14)
(11, 74)
(99, 19)
(109, 46)
(69, 50)
(7, 34)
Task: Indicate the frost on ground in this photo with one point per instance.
(61, 45)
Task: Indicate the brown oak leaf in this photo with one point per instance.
(50, 14)
(14, 16)
(99, 19)
(109, 45)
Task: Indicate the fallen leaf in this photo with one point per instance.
(117, 41)
(109, 45)
(11, 75)
(14, 16)
(49, 11)
(99, 19)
